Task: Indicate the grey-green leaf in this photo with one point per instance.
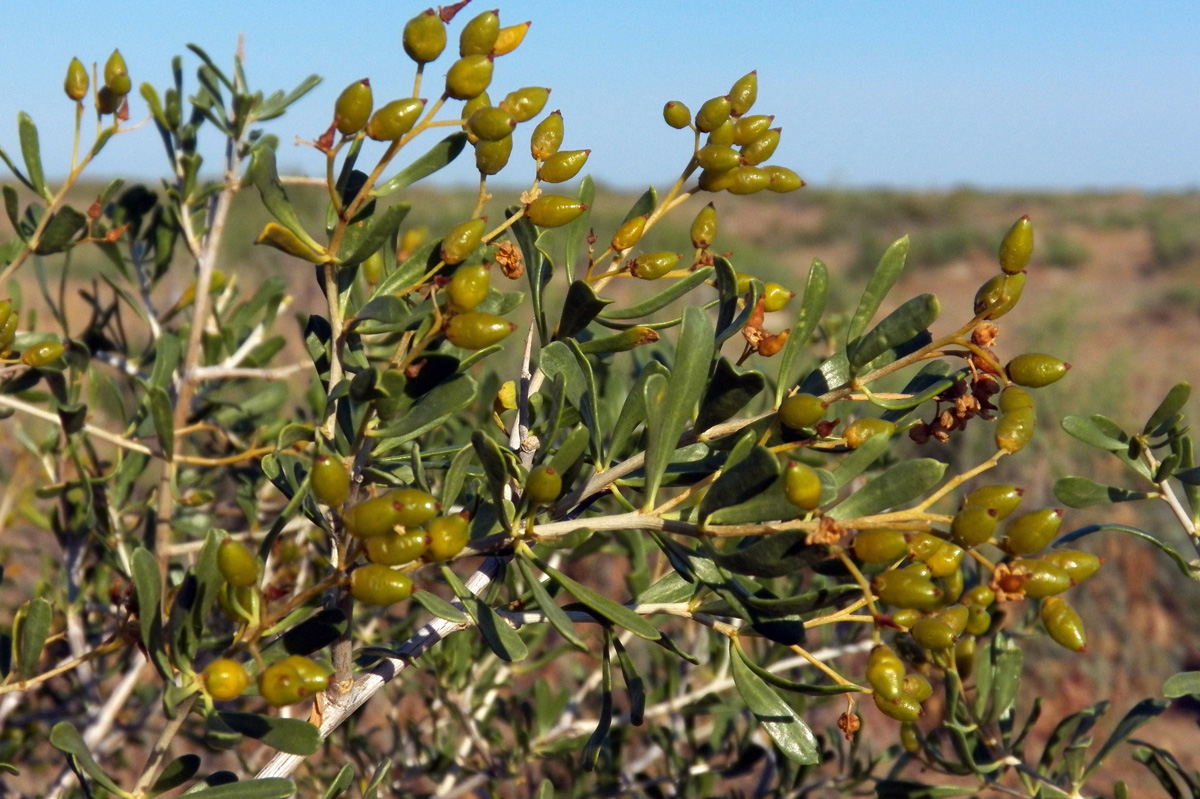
(1081, 492)
(579, 309)
(901, 325)
(65, 738)
(812, 307)
(748, 478)
(268, 788)
(147, 585)
(881, 282)
(265, 177)
(1185, 683)
(554, 614)
(35, 627)
(662, 299)
(901, 483)
(294, 736)
(1164, 414)
(383, 228)
(615, 612)
(439, 607)
(176, 773)
(32, 153)
(438, 156)
(777, 717)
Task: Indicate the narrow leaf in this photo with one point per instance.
(1171, 404)
(633, 683)
(500, 637)
(1185, 683)
(807, 689)
(267, 788)
(579, 226)
(65, 738)
(1138, 715)
(579, 309)
(340, 783)
(430, 411)
(31, 151)
(1081, 492)
(382, 230)
(439, 607)
(615, 612)
(812, 307)
(774, 556)
(881, 282)
(728, 392)
(662, 299)
(438, 156)
(591, 751)
(265, 177)
(554, 614)
(176, 773)
(748, 478)
(901, 483)
(901, 325)
(781, 722)
(31, 637)
(1185, 566)
(294, 736)
(147, 586)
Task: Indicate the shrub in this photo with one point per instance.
(580, 552)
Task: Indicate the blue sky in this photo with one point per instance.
(920, 94)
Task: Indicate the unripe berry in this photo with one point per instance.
(999, 295)
(629, 233)
(281, 684)
(353, 107)
(1063, 624)
(469, 286)
(677, 114)
(917, 687)
(377, 585)
(1043, 578)
(330, 481)
(395, 549)
(716, 158)
(461, 240)
(906, 589)
(933, 634)
(447, 537)
(747, 129)
(547, 137)
(314, 679)
(704, 227)
(748, 180)
(878, 545)
(1000, 498)
(1032, 532)
(801, 410)
(923, 545)
(525, 104)
(867, 427)
(116, 76)
(712, 114)
(1017, 246)
(973, 526)
(479, 34)
(469, 77)
(776, 297)
(653, 265)
(761, 148)
(743, 94)
(475, 331)
(43, 353)
(1035, 369)
(1015, 429)
(1015, 397)
(802, 486)
(904, 708)
(1078, 565)
(885, 672)
(722, 135)
(944, 561)
(563, 166)
(76, 84)
(492, 156)
(543, 485)
(554, 210)
(224, 679)
(491, 124)
(413, 507)
(509, 39)
(782, 179)
(370, 517)
(713, 181)
(424, 37)
(237, 566)
(395, 119)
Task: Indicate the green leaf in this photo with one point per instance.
(265, 177)
(816, 289)
(922, 388)
(833, 373)
(861, 459)
(17, 172)
(748, 478)
(1096, 433)
(147, 585)
(1007, 659)
(1138, 715)
(554, 614)
(644, 204)
(31, 151)
(431, 410)
(294, 736)
(1185, 683)
(438, 156)
(728, 392)
(439, 607)
(1160, 422)
(571, 450)
(1070, 731)
(1186, 567)
(900, 483)
(340, 783)
(268, 788)
(60, 232)
(633, 411)
(789, 732)
(633, 683)
(881, 282)
(591, 751)
(176, 773)
(772, 504)
(900, 326)
(578, 228)
(615, 612)
(775, 555)
(537, 267)
(30, 638)
(662, 299)
(161, 413)
(500, 637)
(1080, 492)
(278, 102)
(382, 230)
(685, 386)
(456, 476)
(579, 309)
(904, 789)
(806, 689)
(65, 738)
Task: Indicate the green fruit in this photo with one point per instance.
(241, 605)
(76, 84)
(1015, 429)
(743, 94)
(801, 411)
(704, 227)
(776, 297)
(372, 268)
(1017, 246)
(424, 37)
(447, 537)
(933, 634)
(782, 179)
(492, 156)
(43, 353)
(802, 486)
(748, 180)
(379, 586)
(867, 427)
(885, 672)
(979, 621)
(238, 567)
(1000, 498)
(475, 331)
(330, 481)
(714, 182)
(629, 233)
(910, 738)
(1032, 532)
(224, 679)
(973, 526)
(370, 517)
(525, 104)
(543, 485)
(461, 240)
(653, 265)
(964, 656)
(761, 148)
(395, 119)
(979, 595)
(281, 684)
(547, 137)
(917, 687)
(922, 545)
(1063, 624)
(722, 136)
(999, 295)
(955, 617)
(491, 124)
(918, 570)
(677, 114)
(712, 114)
(554, 210)
(116, 76)
(904, 708)
(509, 39)
(907, 617)
(469, 286)
(314, 679)
(945, 560)
(747, 129)
(1078, 565)
(1035, 369)
(904, 589)
(1043, 578)
(353, 107)
(879, 545)
(395, 548)
(717, 158)
(413, 507)
(1014, 398)
(479, 34)
(952, 586)
(469, 77)
(743, 282)
(563, 166)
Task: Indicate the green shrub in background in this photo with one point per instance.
(519, 506)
